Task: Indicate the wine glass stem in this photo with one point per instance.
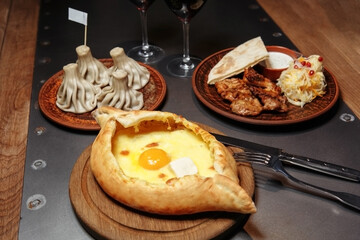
(186, 62)
(145, 44)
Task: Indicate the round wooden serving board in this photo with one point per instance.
(106, 218)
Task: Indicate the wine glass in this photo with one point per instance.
(145, 53)
(185, 10)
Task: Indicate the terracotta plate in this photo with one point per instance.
(106, 218)
(207, 95)
(154, 93)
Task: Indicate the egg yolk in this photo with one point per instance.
(153, 159)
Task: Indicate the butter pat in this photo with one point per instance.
(183, 166)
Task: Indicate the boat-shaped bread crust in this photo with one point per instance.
(183, 195)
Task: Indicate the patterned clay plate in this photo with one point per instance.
(208, 95)
(154, 93)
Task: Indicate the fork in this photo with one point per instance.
(275, 164)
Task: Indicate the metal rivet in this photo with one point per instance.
(254, 6)
(42, 81)
(38, 164)
(36, 202)
(46, 27)
(36, 105)
(347, 117)
(45, 60)
(45, 43)
(277, 34)
(40, 130)
(263, 19)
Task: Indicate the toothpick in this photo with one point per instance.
(85, 35)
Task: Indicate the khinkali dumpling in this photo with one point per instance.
(75, 94)
(119, 95)
(138, 76)
(91, 68)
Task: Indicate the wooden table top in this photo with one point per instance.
(327, 28)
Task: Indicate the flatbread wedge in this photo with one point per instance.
(178, 195)
(237, 60)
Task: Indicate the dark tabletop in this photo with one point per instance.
(283, 212)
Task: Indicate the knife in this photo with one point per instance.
(309, 163)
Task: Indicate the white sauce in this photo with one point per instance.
(277, 60)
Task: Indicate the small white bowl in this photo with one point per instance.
(278, 61)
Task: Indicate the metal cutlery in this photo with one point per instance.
(274, 162)
(309, 163)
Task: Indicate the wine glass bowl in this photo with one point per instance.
(145, 53)
(185, 10)
(142, 4)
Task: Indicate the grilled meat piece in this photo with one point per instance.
(252, 94)
(254, 79)
(246, 105)
(243, 102)
(231, 88)
(269, 101)
(266, 90)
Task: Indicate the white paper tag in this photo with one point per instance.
(78, 16)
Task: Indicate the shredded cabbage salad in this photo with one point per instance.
(303, 81)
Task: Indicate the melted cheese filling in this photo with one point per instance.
(178, 143)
